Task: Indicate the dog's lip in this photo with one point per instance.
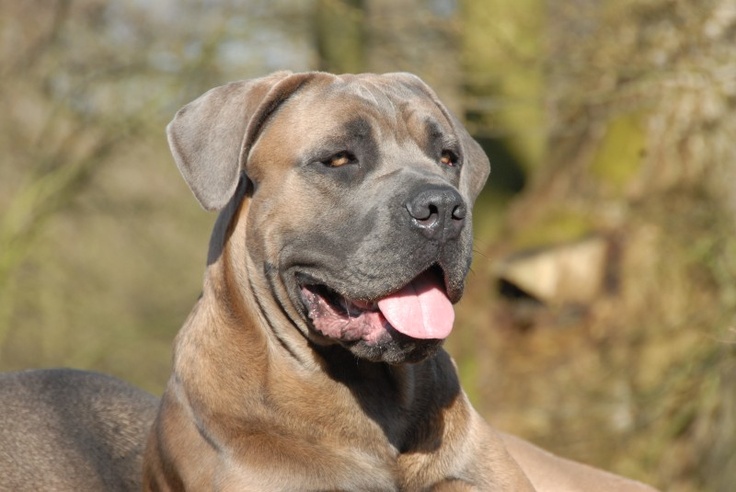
(419, 309)
(366, 301)
(336, 317)
(337, 300)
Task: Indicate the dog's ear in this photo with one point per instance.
(211, 136)
(476, 166)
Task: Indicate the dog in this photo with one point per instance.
(313, 359)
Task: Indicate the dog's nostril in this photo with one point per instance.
(459, 212)
(427, 215)
(422, 211)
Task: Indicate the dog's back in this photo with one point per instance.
(70, 430)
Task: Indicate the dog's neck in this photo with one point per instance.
(257, 377)
(224, 225)
(226, 340)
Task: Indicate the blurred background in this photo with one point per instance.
(600, 316)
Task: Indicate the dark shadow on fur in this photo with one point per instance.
(407, 401)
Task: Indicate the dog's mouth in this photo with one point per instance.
(420, 310)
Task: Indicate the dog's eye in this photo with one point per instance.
(448, 158)
(340, 159)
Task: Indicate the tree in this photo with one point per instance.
(640, 100)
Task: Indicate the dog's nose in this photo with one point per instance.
(438, 212)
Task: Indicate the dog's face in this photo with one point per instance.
(359, 214)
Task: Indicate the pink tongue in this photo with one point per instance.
(420, 310)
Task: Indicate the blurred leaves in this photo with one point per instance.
(640, 150)
(85, 189)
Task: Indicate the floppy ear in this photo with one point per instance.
(211, 136)
(476, 166)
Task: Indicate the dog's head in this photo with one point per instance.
(360, 195)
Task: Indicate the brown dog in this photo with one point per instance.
(313, 359)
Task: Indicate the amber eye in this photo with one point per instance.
(448, 158)
(340, 159)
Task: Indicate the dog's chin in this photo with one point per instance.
(397, 349)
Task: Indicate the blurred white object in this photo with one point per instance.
(561, 274)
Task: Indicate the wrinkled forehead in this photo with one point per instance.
(386, 107)
(350, 112)
(382, 93)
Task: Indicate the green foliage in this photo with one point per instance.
(339, 28)
(555, 226)
(502, 49)
(620, 154)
